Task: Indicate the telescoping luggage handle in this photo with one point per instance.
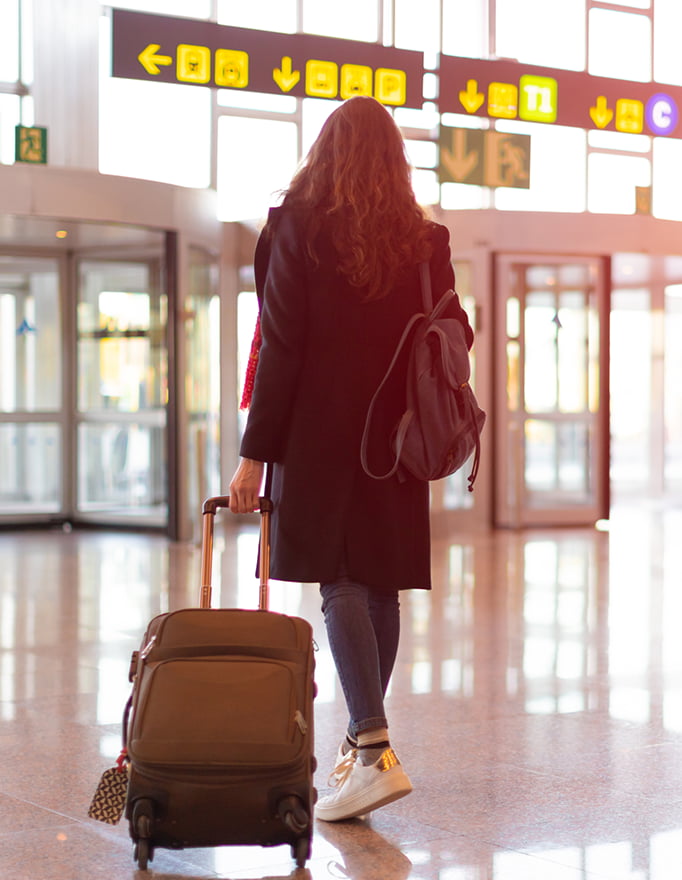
(211, 505)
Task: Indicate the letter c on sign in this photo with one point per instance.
(662, 114)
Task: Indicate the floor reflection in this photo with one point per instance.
(536, 704)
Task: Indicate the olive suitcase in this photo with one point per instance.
(219, 727)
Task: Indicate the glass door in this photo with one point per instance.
(31, 392)
(121, 393)
(551, 398)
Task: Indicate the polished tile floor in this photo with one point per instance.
(536, 704)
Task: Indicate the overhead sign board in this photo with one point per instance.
(509, 90)
(485, 158)
(194, 52)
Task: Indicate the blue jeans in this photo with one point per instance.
(363, 627)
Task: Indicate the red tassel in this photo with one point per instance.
(251, 367)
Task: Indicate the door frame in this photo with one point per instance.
(518, 515)
(157, 417)
(58, 416)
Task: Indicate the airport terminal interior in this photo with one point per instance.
(536, 702)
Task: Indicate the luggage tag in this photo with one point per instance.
(109, 799)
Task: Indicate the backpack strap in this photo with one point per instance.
(405, 419)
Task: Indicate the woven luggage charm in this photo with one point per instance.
(109, 799)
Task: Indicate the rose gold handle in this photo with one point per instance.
(211, 506)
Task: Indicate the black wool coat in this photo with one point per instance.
(323, 354)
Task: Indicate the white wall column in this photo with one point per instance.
(65, 86)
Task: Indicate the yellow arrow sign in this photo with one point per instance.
(150, 60)
(601, 115)
(285, 76)
(472, 99)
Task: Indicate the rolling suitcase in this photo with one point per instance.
(219, 728)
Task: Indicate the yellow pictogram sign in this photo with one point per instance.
(356, 79)
(503, 100)
(390, 86)
(321, 79)
(629, 116)
(193, 64)
(231, 68)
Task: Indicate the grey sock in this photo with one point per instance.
(371, 753)
(348, 744)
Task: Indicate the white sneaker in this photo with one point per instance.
(361, 789)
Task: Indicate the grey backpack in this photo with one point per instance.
(441, 425)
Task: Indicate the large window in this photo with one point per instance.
(156, 131)
(280, 15)
(9, 41)
(15, 72)
(667, 29)
(541, 33)
(258, 157)
(620, 45)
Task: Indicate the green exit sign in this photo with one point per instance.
(30, 144)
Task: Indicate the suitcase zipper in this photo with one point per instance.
(144, 653)
(302, 723)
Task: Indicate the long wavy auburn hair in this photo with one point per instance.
(356, 183)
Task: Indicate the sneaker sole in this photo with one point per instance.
(383, 791)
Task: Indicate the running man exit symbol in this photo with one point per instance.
(30, 144)
(507, 160)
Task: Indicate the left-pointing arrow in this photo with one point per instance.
(150, 60)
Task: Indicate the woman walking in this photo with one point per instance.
(337, 278)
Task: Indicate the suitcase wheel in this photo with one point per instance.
(293, 813)
(301, 851)
(142, 853)
(143, 815)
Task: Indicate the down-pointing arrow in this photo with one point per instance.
(459, 162)
(285, 76)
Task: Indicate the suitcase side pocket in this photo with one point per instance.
(223, 712)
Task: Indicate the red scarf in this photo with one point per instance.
(251, 365)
